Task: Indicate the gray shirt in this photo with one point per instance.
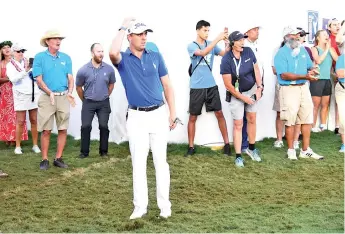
(95, 80)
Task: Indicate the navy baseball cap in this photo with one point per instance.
(236, 35)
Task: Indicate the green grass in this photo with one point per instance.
(208, 193)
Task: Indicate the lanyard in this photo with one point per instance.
(238, 65)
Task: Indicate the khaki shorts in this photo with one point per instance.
(340, 99)
(237, 106)
(296, 105)
(276, 103)
(47, 111)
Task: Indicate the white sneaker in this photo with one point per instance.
(292, 154)
(296, 145)
(278, 144)
(310, 154)
(316, 129)
(138, 213)
(165, 213)
(36, 149)
(18, 150)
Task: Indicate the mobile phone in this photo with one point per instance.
(31, 62)
(253, 97)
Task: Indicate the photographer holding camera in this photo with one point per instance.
(24, 92)
(242, 79)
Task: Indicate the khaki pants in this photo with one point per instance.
(47, 111)
(296, 105)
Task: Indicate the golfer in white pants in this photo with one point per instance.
(144, 77)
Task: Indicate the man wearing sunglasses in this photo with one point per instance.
(294, 68)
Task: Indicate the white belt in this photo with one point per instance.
(60, 93)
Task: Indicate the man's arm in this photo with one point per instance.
(42, 85)
(115, 49)
(258, 77)
(80, 92)
(341, 73)
(110, 88)
(206, 51)
(70, 83)
(170, 97)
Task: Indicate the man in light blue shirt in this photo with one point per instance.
(53, 72)
(203, 88)
(294, 68)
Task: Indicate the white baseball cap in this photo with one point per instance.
(18, 47)
(138, 27)
(291, 30)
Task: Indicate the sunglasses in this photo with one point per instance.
(20, 51)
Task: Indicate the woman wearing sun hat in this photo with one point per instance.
(7, 113)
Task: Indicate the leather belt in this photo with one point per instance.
(293, 84)
(147, 108)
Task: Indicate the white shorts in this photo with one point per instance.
(23, 102)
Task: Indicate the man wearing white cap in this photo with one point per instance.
(251, 41)
(144, 76)
(276, 103)
(53, 72)
(294, 68)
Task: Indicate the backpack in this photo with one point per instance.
(190, 69)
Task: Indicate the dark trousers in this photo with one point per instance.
(102, 109)
(245, 143)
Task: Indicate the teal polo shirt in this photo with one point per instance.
(340, 65)
(284, 62)
(54, 69)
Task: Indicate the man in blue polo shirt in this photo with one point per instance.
(144, 74)
(203, 88)
(94, 84)
(53, 72)
(294, 67)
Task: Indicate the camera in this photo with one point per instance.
(227, 96)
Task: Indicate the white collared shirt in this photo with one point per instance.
(253, 46)
(20, 79)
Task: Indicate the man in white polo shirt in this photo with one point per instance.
(252, 32)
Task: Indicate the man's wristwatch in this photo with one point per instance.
(122, 28)
(260, 86)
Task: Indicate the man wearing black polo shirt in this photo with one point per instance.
(242, 79)
(144, 76)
